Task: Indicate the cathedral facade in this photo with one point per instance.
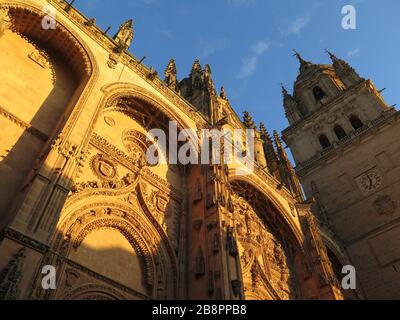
(77, 194)
(344, 138)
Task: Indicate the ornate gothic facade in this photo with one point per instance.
(76, 192)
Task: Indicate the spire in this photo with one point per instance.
(346, 73)
(304, 65)
(291, 106)
(248, 121)
(332, 56)
(287, 173)
(285, 93)
(196, 68)
(209, 81)
(270, 153)
(171, 75)
(279, 147)
(337, 61)
(124, 36)
(196, 75)
(264, 134)
(207, 70)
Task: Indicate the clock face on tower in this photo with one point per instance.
(370, 181)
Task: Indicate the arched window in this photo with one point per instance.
(324, 141)
(340, 133)
(356, 122)
(318, 93)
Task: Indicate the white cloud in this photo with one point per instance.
(260, 47)
(353, 53)
(296, 26)
(249, 64)
(209, 48)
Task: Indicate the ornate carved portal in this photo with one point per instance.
(119, 210)
(265, 252)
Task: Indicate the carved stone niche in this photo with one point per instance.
(231, 243)
(385, 205)
(197, 192)
(200, 266)
(197, 223)
(236, 287)
(71, 278)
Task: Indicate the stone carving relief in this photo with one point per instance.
(129, 180)
(10, 277)
(164, 209)
(104, 167)
(40, 58)
(4, 21)
(109, 121)
(136, 144)
(71, 278)
(385, 205)
(265, 262)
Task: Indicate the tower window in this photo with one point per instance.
(324, 141)
(356, 122)
(318, 93)
(340, 133)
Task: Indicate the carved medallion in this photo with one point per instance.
(109, 121)
(385, 205)
(331, 119)
(103, 167)
(161, 203)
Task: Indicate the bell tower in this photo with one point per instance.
(344, 140)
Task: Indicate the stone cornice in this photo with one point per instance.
(354, 137)
(29, 242)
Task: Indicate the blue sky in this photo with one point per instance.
(249, 43)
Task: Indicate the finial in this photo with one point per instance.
(171, 75)
(264, 133)
(297, 55)
(196, 66)
(248, 121)
(277, 139)
(284, 91)
(223, 93)
(207, 69)
(331, 55)
(124, 36)
(303, 63)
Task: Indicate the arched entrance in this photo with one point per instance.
(44, 75)
(268, 249)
